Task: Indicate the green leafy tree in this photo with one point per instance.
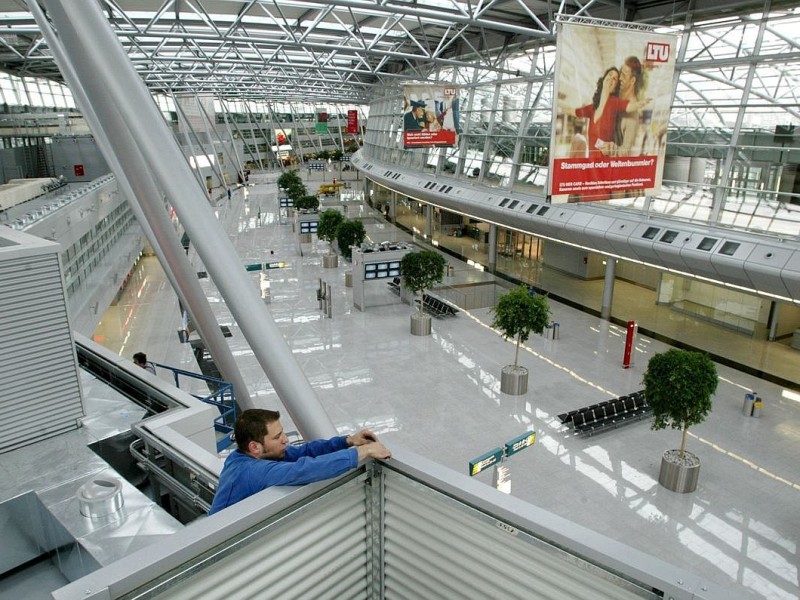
(296, 190)
(288, 178)
(328, 227)
(337, 155)
(306, 203)
(678, 385)
(350, 233)
(518, 313)
(421, 270)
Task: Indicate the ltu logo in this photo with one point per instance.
(657, 52)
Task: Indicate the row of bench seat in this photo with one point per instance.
(438, 308)
(607, 415)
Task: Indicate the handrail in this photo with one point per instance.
(138, 449)
(222, 397)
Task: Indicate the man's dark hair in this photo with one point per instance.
(635, 65)
(251, 426)
(140, 358)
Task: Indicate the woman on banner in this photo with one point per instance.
(603, 112)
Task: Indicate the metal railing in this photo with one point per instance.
(221, 396)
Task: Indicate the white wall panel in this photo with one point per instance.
(318, 551)
(40, 394)
(437, 547)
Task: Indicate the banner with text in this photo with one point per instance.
(613, 90)
(352, 121)
(322, 121)
(431, 116)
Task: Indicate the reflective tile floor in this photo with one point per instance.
(440, 396)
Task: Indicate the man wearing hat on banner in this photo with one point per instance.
(414, 119)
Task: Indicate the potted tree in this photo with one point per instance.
(420, 271)
(288, 178)
(678, 385)
(306, 202)
(516, 315)
(349, 233)
(329, 222)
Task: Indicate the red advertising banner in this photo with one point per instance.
(588, 176)
(352, 121)
(613, 90)
(431, 116)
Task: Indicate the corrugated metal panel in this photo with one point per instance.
(40, 394)
(318, 551)
(436, 547)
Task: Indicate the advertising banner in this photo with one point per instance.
(322, 121)
(352, 121)
(430, 116)
(613, 90)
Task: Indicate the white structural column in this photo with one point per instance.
(428, 221)
(136, 182)
(492, 250)
(94, 51)
(608, 288)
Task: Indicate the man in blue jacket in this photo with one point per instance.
(264, 458)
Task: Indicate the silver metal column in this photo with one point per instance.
(772, 320)
(155, 223)
(428, 221)
(107, 62)
(492, 258)
(608, 288)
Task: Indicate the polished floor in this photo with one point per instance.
(440, 396)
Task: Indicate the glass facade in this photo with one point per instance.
(732, 152)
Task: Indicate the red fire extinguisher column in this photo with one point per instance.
(630, 338)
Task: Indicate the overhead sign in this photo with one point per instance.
(485, 461)
(352, 121)
(520, 443)
(322, 121)
(614, 90)
(264, 266)
(430, 116)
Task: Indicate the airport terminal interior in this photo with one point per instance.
(93, 182)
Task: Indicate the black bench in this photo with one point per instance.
(394, 285)
(438, 308)
(607, 415)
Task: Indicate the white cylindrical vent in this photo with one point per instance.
(100, 497)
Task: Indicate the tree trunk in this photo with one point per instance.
(683, 441)
(421, 303)
(516, 354)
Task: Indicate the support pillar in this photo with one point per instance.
(154, 221)
(492, 254)
(428, 221)
(608, 288)
(96, 54)
(772, 320)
